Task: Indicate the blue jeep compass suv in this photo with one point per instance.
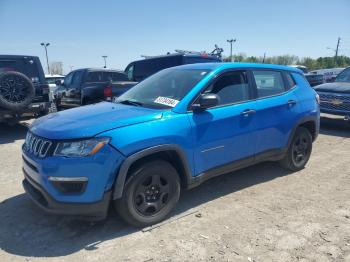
(172, 131)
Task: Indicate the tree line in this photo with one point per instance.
(310, 63)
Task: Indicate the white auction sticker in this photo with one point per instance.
(166, 101)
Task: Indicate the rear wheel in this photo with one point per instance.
(150, 194)
(299, 150)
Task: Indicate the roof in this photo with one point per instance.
(222, 66)
(202, 55)
(100, 69)
(16, 56)
(52, 76)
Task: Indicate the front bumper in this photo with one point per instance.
(344, 113)
(41, 198)
(44, 176)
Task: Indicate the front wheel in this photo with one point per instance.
(150, 194)
(299, 150)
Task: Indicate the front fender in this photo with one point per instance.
(124, 168)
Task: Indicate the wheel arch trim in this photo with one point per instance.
(127, 163)
(301, 122)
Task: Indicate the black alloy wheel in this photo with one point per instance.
(299, 151)
(150, 193)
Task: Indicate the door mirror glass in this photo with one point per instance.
(206, 101)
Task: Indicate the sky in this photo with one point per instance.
(80, 32)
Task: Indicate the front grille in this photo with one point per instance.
(38, 146)
(335, 101)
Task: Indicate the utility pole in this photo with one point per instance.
(45, 45)
(263, 61)
(231, 41)
(105, 58)
(336, 51)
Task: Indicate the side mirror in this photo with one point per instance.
(206, 101)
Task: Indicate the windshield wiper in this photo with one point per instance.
(130, 102)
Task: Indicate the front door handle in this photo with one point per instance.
(291, 102)
(248, 112)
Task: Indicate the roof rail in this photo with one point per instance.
(148, 56)
(189, 52)
(216, 52)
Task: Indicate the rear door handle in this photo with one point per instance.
(291, 102)
(248, 112)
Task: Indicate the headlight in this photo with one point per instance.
(81, 148)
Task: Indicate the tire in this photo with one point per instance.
(150, 194)
(299, 151)
(16, 91)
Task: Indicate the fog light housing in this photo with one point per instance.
(69, 185)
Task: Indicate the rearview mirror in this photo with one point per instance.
(206, 101)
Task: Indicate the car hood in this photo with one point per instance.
(335, 87)
(88, 121)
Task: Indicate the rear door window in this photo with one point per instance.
(290, 80)
(76, 80)
(94, 77)
(145, 68)
(130, 72)
(68, 79)
(344, 76)
(25, 65)
(268, 83)
(114, 76)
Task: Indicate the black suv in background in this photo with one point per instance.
(141, 69)
(88, 85)
(23, 89)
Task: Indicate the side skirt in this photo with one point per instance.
(270, 155)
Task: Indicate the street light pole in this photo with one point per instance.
(336, 51)
(105, 58)
(45, 45)
(231, 41)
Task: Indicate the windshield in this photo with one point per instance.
(52, 80)
(163, 89)
(343, 76)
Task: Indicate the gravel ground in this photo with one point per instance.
(261, 213)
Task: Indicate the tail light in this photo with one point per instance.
(317, 96)
(107, 92)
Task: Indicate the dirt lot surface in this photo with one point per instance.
(261, 213)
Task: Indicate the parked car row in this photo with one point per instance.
(87, 86)
(33, 92)
(167, 123)
(26, 92)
